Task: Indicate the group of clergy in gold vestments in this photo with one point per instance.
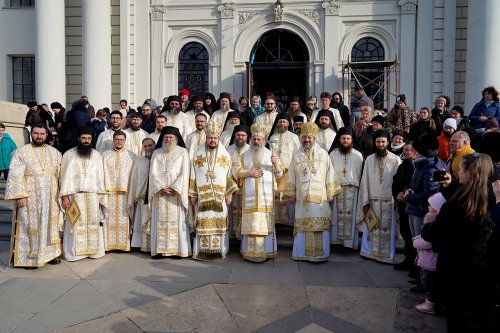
(167, 198)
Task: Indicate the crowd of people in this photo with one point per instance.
(183, 177)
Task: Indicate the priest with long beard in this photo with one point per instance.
(327, 129)
(210, 189)
(311, 188)
(283, 144)
(175, 117)
(375, 202)
(232, 120)
(347, 164)
(220, 115)
(82, 181)
(168, 196)
(118, 164)
(258, 170)
(135, 134)
(137, 198)
(237, 147)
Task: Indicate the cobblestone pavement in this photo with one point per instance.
(130, 292)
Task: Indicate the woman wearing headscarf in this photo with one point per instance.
(254, 110)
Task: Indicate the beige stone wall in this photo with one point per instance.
(73, 50)
(460, 52)
(13, 116)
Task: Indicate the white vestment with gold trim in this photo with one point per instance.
(347, 168)
(324, 138)
(375, 191)
(211, 182)
(117, 170)
(283, 145)
(195, 141)
(220, 116)
(311, 182)
(258, 238)
(179, 120)
(134, 140)
(105, 140)
(138, 204)
(34, 174)
(235, 209)
(82, 180)
(266, 119)
(191, 120)
(169, 228)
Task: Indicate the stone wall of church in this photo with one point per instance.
(437, 49)
(115, 53)
(460, 53)
(73, 24)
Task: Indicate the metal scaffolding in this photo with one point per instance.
(354, 70)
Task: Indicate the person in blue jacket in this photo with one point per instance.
(488, 107)
(7, 146)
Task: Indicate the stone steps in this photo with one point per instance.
(284, 234)
(5, 214)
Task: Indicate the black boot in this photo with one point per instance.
(55, 261)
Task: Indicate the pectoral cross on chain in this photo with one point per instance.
(210, 175)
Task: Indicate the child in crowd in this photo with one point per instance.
(426, 258)
(99, 123)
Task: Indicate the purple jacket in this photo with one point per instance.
(426, 258)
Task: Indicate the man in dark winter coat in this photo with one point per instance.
(400, 184)
(422, 186)
(338, 103)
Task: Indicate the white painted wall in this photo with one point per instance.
(145, 52)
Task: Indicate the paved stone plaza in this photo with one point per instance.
(129, 292)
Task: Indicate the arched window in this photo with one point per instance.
(193, 68)
(367, 49)
(371, 77)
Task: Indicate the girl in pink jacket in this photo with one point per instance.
(426, 258)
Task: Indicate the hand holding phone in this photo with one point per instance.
(439, 176)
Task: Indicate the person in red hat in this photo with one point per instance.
(184, 97)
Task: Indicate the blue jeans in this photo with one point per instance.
(416, 223)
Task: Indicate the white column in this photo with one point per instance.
(227, 32)
(332, 37)
(156, 13)
(423, 70)
(407, 54)
(96, 40)
(50, 62)
(483, 49)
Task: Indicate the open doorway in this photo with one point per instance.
(279, 63)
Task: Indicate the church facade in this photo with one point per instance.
(58, 50)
